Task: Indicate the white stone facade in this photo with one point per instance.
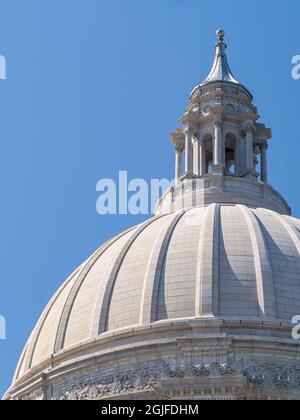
(197, 302)
(206, 288)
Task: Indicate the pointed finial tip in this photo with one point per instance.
(220, 34)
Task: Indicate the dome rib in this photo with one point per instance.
(263, 269)
(290, 229)
(210, 264)
(200, 267)
(159, 272)
(285, 263)
(65, 316)
(20, 363)
(100, 324)
(33, 340)
(296, 222)
(153, 275)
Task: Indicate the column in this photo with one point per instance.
(178, 163)
(202, 157)
(188, 152)
(218, 144)
(237, 156)
(196, 156)
(264, 168)
(249, 148)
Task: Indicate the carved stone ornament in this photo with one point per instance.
(139, 380)
(149, 378)
(36, 395)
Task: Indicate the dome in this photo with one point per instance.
(228, 262)
(162, 271)
(195, 303)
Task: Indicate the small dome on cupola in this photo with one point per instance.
(221, 71)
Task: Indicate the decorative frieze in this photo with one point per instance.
(118, 383)
(149, 379)
(38, 394)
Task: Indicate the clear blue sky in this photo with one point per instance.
(94, 87)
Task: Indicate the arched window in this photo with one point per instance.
(257, 160)
(207, 159)
(231, 154)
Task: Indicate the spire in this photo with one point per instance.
(221, 71)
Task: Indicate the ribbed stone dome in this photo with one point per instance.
(197, 302)
(223, 261)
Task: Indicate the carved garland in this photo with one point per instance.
(148, 379)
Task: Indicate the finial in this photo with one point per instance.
(221, 35)
(221, 70)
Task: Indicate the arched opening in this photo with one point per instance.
(257, 161)
(196, 156)
(207, 153)
(231, 154)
